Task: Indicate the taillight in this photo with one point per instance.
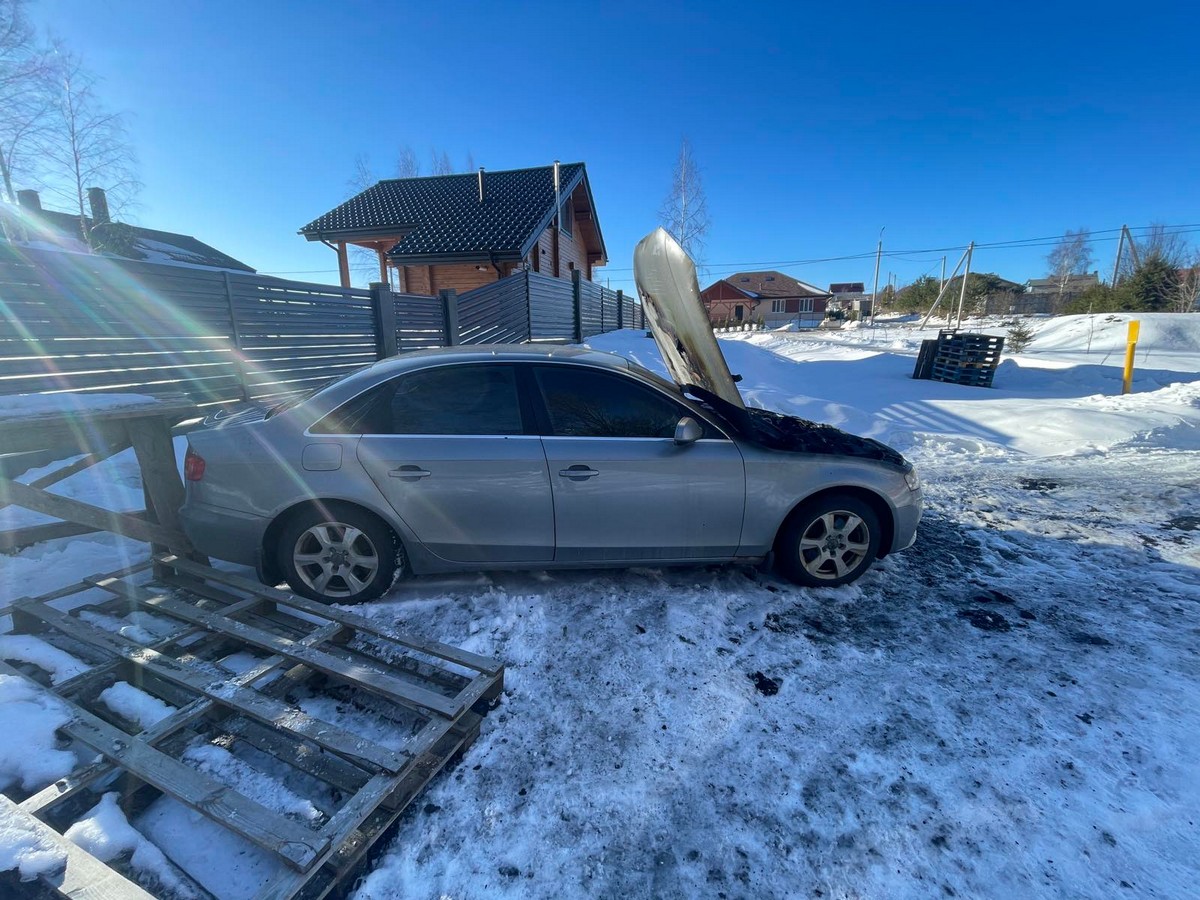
(193, 465)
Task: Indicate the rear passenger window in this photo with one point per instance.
(457, 400)
(586, 403)
(463, 399)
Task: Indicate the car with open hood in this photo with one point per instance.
(536, 457)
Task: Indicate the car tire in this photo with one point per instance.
(828, 541)
(337, 553)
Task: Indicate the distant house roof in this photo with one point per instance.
(440, 217)
(1054, 285)
(847, 287)
(772, 285)
(66, 230)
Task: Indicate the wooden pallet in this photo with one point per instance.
(432, 693)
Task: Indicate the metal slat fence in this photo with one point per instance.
(83, 323)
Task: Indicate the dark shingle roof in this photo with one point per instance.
(148, 244)
(443, 216)
(773, 284)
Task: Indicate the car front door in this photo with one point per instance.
(623, 489)
(451, 456)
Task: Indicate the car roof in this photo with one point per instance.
(415, 359)
(344, 388)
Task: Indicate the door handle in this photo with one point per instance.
(410, 473)
(578, 473)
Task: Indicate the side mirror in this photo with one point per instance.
(688, 431)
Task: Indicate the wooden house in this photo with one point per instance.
(465, 231)
(772, 298)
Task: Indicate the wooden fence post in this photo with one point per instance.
(577, 298)
(620, 310)
(449, 298)
(384, 309)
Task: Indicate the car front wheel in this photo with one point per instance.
(828, 541)
(336, 553)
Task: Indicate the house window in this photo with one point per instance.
(566, 218)
(778, 306)
(739, 312)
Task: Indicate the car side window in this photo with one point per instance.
(463, 399)
(456, 399)
(586, 403)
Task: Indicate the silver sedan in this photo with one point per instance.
(512, 457)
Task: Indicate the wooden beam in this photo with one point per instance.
(83, 877)
(85, 514)
(78, 466)
(293, 842)
(365, 677)
(343, 264)
(383, 265)
(362, 624)
(273, 713)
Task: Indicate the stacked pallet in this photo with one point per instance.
(960, 358)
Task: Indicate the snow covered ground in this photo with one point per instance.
(1007, 709)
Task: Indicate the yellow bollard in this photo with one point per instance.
(1130, 347)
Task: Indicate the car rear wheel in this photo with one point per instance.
(336, 553)
(828, 542)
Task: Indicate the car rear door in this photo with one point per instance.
(455, 463)
(623, 489)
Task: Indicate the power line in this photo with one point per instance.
(729, 268)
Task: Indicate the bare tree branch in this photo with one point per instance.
(86, 146)
(1071, 256)
(684, 212)
(26, 97)
(407, 164)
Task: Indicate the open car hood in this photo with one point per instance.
(666, 282)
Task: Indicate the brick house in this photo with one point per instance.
(465, 231)
(773, 298)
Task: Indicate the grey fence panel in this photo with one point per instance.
(551, 308)
(76, 322)
(608, 309)
(591, 309)
(420, 322)
(294, 336)
(631, 312)
(496, 313)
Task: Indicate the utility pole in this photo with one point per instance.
(1117, 261)
(942, 280)
(962, 294)
(875, 288)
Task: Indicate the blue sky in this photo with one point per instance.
(814, 124)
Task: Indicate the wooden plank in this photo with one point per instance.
(360, 824)
(296, 845)
(267, 710)
(367, 677)
(17, 538)
(358, 623)
(85, 514)
(83, 877)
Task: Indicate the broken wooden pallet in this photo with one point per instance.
(404, 706)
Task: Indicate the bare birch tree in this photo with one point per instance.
(684, 212)
(1071, 256)
(86, 145)
(1186, 294)
(440, 163)
(407, 164)
(26, 97)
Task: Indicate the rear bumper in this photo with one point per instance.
(226, 534)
